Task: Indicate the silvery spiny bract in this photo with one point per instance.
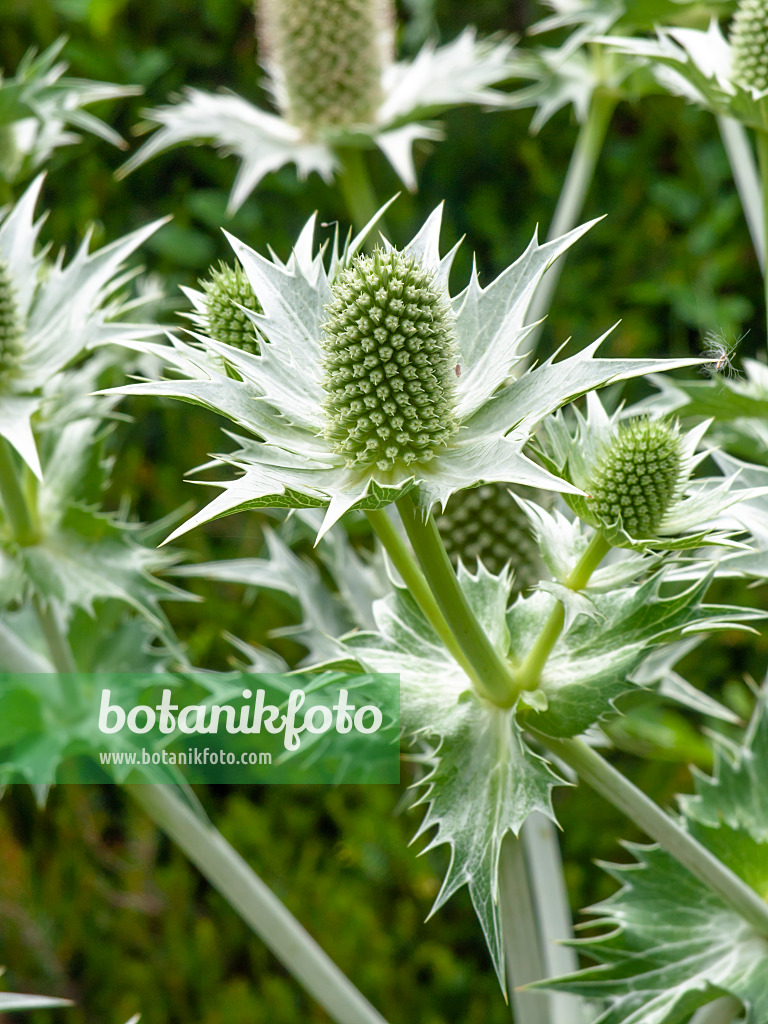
(50, 314)
(336, 84)
(636, 474)
(327, 59)
(728, 76)
(220, 311)
(293, 396)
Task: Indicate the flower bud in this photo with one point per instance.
(227, 290)
(637, 477)
(390, 363)
(749, 45)
(328, 57)
(485, 524)
(11, 328)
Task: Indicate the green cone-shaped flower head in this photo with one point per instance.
(749, 45)
(225, 292)
(485, 524)
(390, 363)
(11, 328)
(637, 478)
(328, 56)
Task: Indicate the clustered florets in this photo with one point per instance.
(11, 332)
(485, 524)
(637, 477)
(749, 45)
(227, 290)
(390, 363)
(328, 55)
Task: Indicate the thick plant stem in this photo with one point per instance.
(356, 188)
(747, 179)
(12, 496)
(631, 801)
(522, 944)
(529, 673)
(573, 194)
(498, 684)
(762, 156)
(255, 902)
(414, 580)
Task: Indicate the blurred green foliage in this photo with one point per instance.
(93, 903)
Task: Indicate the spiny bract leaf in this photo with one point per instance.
(676, 946)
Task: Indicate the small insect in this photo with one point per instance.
(719, 350)
(458, 369)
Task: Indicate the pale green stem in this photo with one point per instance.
(570, 204)
(553, 911)
(357, 190)
(762, 159)
(522, 944)
(631, 801)
(256, 904)
(417, 586)
(747, 179)
(495, 674)
(25, 534)
(529, 673)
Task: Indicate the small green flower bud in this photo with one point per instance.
(227, 290)
(485, 524)
(390, 363)
(637, 477)
(749, 45)
(11, 328)
(328, 55)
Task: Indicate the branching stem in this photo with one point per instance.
(357, 190)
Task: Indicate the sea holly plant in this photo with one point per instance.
(339, 91)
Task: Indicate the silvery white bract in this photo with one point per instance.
(690, 519)
(63, 312)
(698, 65)
(461, 72)
(39, 106)
(278, 395)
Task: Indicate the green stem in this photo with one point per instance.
(256, 904)
(570, 204)
(745, 175)
(529, 673)
(631, 801)
(417, 586)
(58, 646)
(492, 672)
(12, 495)
(762, 158)
(357, 190)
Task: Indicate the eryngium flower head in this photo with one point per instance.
(470, 417)
(390, 363)
(51, 314)
(637, 478)
(636, 474)
(226, 292)
(10, 324)
(749, 45)
(327, 58)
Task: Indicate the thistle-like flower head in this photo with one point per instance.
(372, 381)
(51, 314)
(636, 474)
(749, 45)
(326, 59)
(336, 84)
(226, 296)
(637, 478)
(390, 363)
